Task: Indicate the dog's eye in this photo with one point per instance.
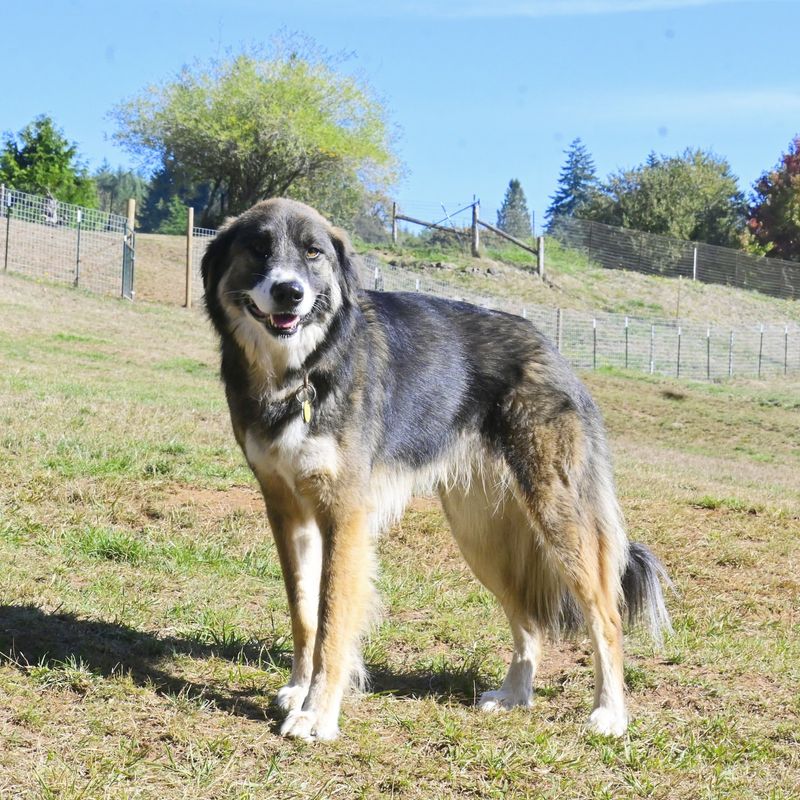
(312, 252)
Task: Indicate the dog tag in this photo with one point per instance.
(306, 411)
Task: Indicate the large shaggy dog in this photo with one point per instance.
(345, 401)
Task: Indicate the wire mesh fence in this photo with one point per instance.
(44, 238)
(201, 238)
(588, 340)
(679, 348)
(621, 248)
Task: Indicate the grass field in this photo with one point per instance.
(143, 627)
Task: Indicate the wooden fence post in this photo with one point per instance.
(540, 256)
(189, 235)
(131, 214)
(476, 239)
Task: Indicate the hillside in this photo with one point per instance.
(144, 630)
(573, 282)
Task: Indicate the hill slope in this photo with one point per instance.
(573, 282)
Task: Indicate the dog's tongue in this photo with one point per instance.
(284, 321)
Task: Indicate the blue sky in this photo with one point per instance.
(480, 91)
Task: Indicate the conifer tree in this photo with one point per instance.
(513, 216)
(577, 183)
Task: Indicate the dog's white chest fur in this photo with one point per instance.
(293, 454)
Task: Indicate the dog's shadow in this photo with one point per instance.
(30, 636)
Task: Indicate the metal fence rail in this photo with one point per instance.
(44, 238)
(622, 248)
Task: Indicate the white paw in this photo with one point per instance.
(608, 721)
(503, 700)
(310, 726)
(290, 697)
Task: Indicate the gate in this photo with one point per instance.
(128, 263)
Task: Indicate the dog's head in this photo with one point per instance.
(276, 276)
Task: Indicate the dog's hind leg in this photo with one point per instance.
(517, 688)
(490, 530)
(584, 554)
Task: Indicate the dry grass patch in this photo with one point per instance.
(144, 629)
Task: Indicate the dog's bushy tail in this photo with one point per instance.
(643, 593)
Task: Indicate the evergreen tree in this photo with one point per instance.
(116, 186)
(40, 160)
(577, 184)
(513, 216)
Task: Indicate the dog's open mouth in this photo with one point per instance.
(278, 324)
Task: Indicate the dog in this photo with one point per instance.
(344, 402)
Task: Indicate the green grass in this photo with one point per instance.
(143, 625)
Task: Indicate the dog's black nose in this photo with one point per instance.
(288, 293)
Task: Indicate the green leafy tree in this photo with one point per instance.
(40, 160)
(513, 216)
(116, 186)
(577, 184)
(254, 126)
(689, 196)
(774, 217)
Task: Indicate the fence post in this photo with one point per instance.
(476, 238)
(652, 349)
(760, 348)
(694, 264)
(189, 267)
(785, 349)
(540, 256)
(394, 223)
(626, 343)
(8, 236)
(594, 342)
(730, 356)
(678, 369)
(708, 353)
(558, 329)
(131, 214)
(78, 250)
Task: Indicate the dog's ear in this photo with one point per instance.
(348, 263)
(213, 266)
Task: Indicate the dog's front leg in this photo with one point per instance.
(345, 589)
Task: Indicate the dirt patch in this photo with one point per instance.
(215, 503)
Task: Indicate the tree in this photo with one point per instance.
(774, 216)
(40, 160)
(251, 127)
(513, 216)
(689, 196)
(116, 186)
(577, 184)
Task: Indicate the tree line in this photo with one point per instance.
(693, 195)
(289, 121)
